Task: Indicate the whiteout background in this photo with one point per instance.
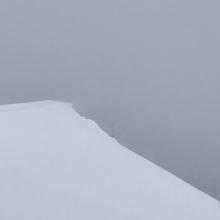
(146, 71)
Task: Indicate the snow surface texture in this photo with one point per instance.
(57, 165)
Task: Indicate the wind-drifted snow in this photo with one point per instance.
(57, 165)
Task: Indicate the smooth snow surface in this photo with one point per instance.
(57, 165)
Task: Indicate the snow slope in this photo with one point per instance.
(57, 165)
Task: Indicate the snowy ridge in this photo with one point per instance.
(55, 164)
(27, 105)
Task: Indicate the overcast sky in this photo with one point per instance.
(147, 71)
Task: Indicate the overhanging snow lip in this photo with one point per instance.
(33, 104)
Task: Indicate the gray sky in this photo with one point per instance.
(146, 71)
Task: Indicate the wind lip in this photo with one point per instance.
(33, 104)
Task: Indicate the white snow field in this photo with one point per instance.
(57, 165)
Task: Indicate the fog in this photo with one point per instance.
(146, 71)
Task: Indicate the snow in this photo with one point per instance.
(57, 165)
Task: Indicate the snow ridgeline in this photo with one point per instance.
(57, 165)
